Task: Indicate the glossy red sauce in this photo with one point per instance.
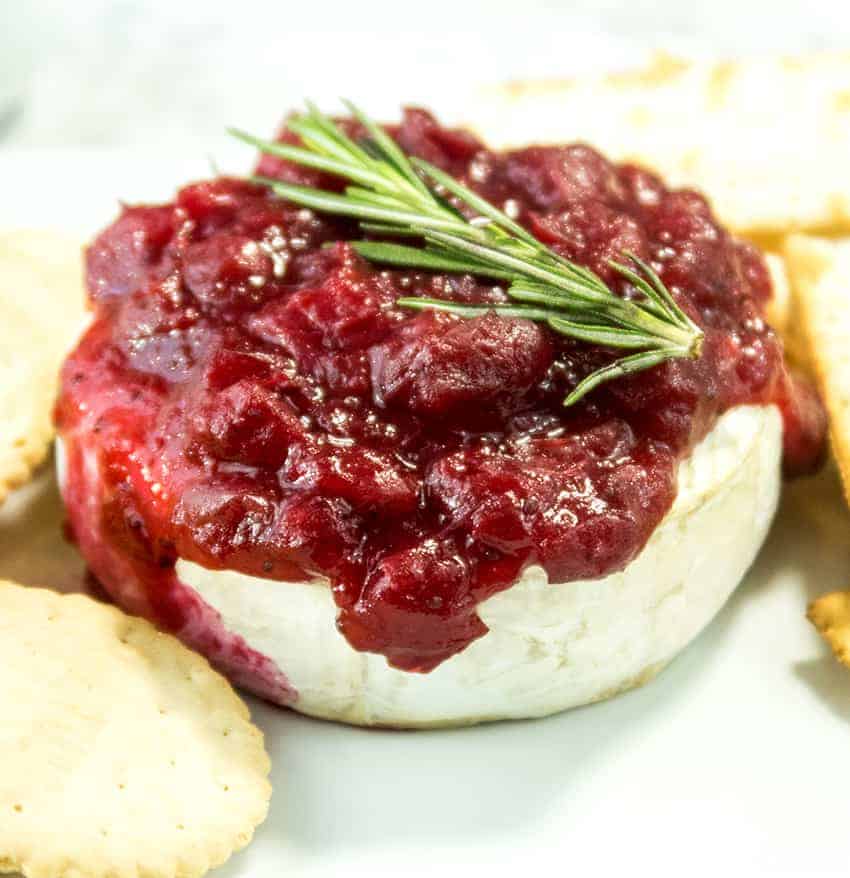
(255, 401)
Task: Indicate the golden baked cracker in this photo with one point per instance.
(41, 313)
(41, 271)
(783, 312)
(766, 138)
(779, 307)
(27, 388)
(123, 753)
(830, 614)
(819, 270)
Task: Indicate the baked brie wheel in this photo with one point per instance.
(549, 646)
(381, 487)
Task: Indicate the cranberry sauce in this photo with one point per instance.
(260, 404)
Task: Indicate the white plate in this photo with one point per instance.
(735, 761)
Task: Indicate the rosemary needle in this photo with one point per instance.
(400, 196)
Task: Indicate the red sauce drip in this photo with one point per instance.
(258, 402)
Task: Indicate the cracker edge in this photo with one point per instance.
(830, 614)
(26, 453)
(34, 448)
(807, 259)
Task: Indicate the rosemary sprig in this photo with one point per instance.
(399, 196)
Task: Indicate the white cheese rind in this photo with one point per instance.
(550, 646)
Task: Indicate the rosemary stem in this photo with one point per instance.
(678, 336)
(395, 196)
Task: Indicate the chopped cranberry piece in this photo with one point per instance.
(323, 534)
(125, 257)
(416, 608)
(369, 480)
(487, 362)
(420, 134)
(229, 271)
(221, 524)
(161, 334)
(348, 311)
(214, 203)
(227, 366)
(593, 235)
(248, 423)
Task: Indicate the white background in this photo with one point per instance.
(737, 760)
(146, 73)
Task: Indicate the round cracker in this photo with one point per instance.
(123, 752)
(42, 311)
